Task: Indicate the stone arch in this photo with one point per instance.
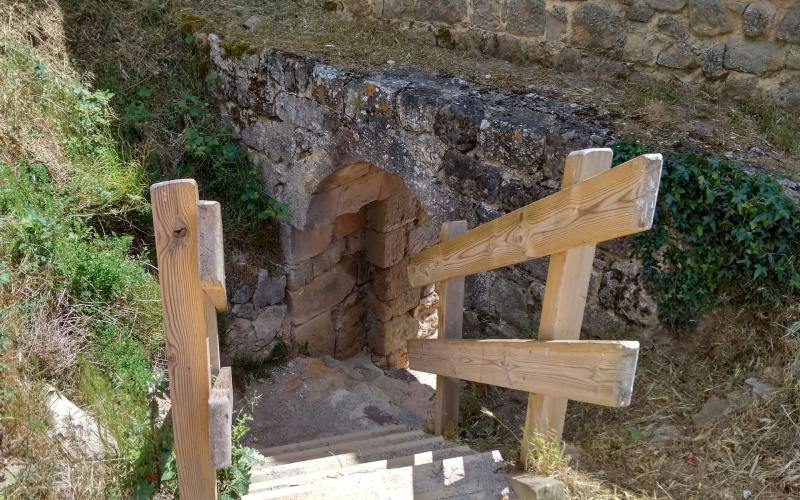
(346, 281)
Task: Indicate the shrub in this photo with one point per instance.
(720, 233)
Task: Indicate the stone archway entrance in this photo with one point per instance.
(346, 283)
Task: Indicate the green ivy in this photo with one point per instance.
(720, 234)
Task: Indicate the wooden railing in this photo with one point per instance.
(596, 204)
(192, 276)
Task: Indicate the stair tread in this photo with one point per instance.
(330, 440)
(345, 459)
(457, 477)
(385, 463)
(345, 446)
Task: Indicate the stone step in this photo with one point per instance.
(388, 463)
(345, 447)
(469, 476)
(331, 440)
(334, 462)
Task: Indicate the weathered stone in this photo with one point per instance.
(348, 224)
(416, 108)
(530, 487)
(391, 213)
(323, 208)
(359, 192)
(621, 291)
(712, 409)
(793, 57)
(665, 433)
(269, 322)
(242, 295)
(252, 22)
(638, 48)
(709, 18)
(511, 304)
(398, 9)
(269, 290)
(299, 245)
(421, 238)
(555, 24)
(298, 275)
(387, 337)
(470, 176)
(598, 27)
(526, 17)
(246, 311)
(516, 137)
(323, 293)
(386, 310)
(328, 258)
(442, 11)
(789, 28)
(385, 249)
(77, 432)
(760, 388)
(672, 28)
(457, 124)
(640, 12)
(487, 14)
(713, 61)
(667, 5)
(391, 282)
(757, 58)
(757, 18)
(677, 56)
(328, 86)
(355, 243)
(317, 336)
(304, 113)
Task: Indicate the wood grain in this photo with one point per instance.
(564, 300)
(220, 418)
(175, 220)
(615, 203)
(211, 253)
(598, 372)
(212, 335)
(451, 321)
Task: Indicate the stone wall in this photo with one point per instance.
(738, 46)
(370, 166)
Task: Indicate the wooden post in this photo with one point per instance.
(564, 300)
(451, 321)
(175, 218)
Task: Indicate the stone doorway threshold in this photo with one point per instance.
(310, 398)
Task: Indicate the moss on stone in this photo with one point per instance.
(192, 23)
(235, 49)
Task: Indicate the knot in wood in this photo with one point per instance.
(180, 230)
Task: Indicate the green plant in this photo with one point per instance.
(720, 233)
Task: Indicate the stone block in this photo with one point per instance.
(472, 177)
(621, 291)
(386, 310)
(359, 192)
(246, 311)
(328, 86)
(530, 487)
(511, 304)
(348, 224)
(393, 212)
(355, 243)
(391, 282)
(398, 9)
(304, 112)
(672, 27)
(442, 11)
(667, 5)
(640, 12)
(457, 123)
(386, 338)
(322, 208)
(298, 275)
(416, 108)
(269, 290)
(346, 175)
(789, 28)
(329, 258)
(487, 14)
(385, 249)
(300, 245)
(709, 18)
(242, 295)
(526, 17)
(598, 27)
(757, 18)
(324, 292)
(758, 58)
(713, 61)
(269, 323)
(317, 335)
(677, 56)
(793, 57)
(421, 238)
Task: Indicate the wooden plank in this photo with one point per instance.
(451, 322)
(176, 226)
(331, 440)
(211, 254)
(564, 300)
(613, 204)
(599, 372)
(212, 334)
(220, 419)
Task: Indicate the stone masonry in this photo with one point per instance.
(370, 166)
(739, 47)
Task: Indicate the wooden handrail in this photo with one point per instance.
(616, 203)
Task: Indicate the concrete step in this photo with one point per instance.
(332, 440)
(333, 462)
(387, 463)
(469, 476)
(345, 447)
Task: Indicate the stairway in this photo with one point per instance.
(390, 462)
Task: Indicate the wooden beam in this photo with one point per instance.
(599, 372)
(212, 334)
(564, 300)
(451, 322)
(616, 203)
(212, 257)
(175, 220)
(220, 418)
